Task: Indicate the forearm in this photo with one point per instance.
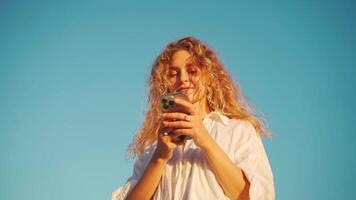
(149, 181)
(229, 176)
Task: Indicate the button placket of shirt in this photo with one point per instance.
(180, 168)
(183, 162)
(177, 173)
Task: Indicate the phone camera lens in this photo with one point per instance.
(165, 106)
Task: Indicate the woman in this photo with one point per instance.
(224, 157)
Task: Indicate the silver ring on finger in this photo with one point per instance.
(187, 118)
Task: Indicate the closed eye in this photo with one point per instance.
(172, 73)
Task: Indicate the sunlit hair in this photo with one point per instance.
(222, 93)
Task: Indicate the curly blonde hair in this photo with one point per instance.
(222, 93)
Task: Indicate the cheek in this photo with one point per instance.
(172, 83)
(201, 86)
(197, 82)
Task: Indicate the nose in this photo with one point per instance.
(184, 76)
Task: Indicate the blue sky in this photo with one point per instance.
(73, 86)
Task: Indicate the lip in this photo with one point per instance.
(184, 89)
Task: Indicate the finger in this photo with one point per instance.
(163, 136)
(183, 131)
(168, 140)
(186, 105)
(178, 143)
(177, 124)
(164, 129)
(174, 116)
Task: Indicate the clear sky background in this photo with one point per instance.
(73, 85)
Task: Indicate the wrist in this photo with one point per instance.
(159, 159)
(205, 141)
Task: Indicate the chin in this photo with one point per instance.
(194, 98)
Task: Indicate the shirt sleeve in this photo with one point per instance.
(251, 157)
(123, 191)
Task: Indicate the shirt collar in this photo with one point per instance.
(217, 116)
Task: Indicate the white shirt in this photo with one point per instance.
(188, 175)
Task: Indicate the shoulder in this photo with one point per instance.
(240, 125)
(243, 130)
(243, 125)
(231, 122)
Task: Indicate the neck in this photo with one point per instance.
(202, 107)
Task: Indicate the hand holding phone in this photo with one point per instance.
(167, 104)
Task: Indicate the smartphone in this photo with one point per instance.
(167, 104)
(167, 100)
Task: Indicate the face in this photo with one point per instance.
(183, 77)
